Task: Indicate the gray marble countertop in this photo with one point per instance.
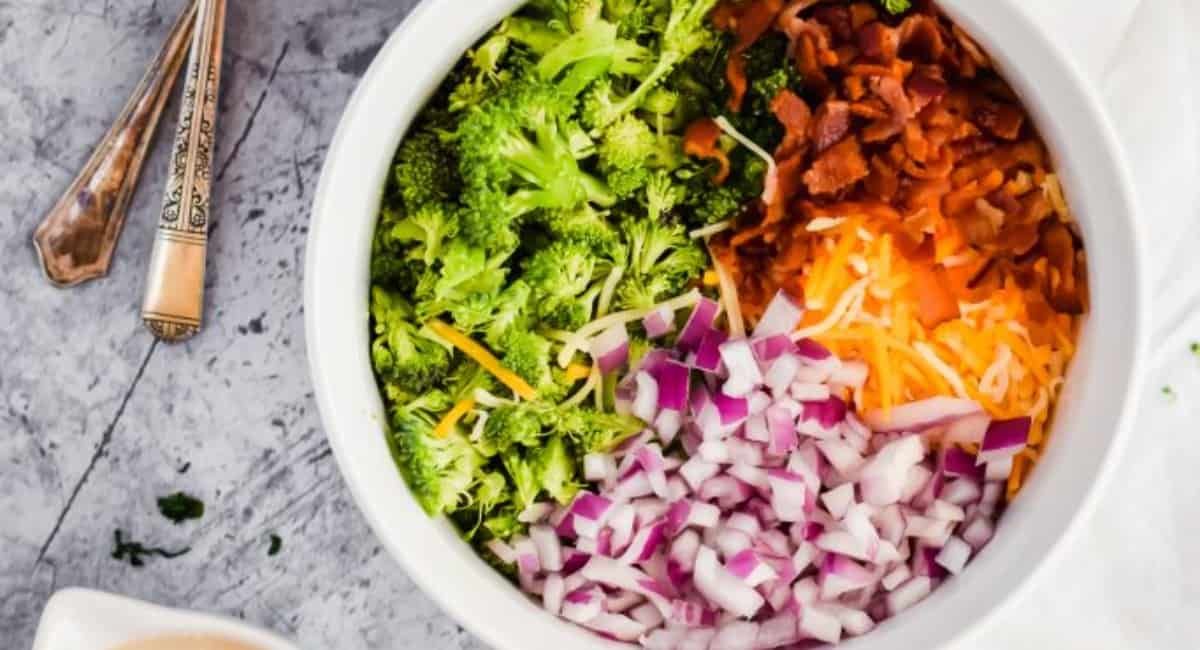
(96, 420)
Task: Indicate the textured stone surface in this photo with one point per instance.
(96, 420)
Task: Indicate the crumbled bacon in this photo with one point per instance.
(700, 140)
(837, 169)
(903, 121)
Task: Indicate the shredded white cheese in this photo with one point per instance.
(852, 295)
(729, 296)
(579, 339)
(821, 224)
(709, 231)
(944, 370)
(484, 398)
(771, 184)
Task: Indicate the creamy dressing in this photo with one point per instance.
(186, 642)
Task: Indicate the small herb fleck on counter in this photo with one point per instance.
(1168, 393)
(134, 552)
(276, 545)
(180, 507)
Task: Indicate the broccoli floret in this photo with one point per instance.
(663, 193)
(425, 170)
(429, 405)
(639, 347)
(523, 423)
(400, 353)
(569, 313)
(466, 284)
(423, 232)
(584, 225)
(556, 470)
(515, 158)
(593, 50)
(502, 524)
(658, 248)
(706, 202)
(524, 477)
(484, 74)
(896, 6)
(440, 472)
(511, 311)
(685, 32)
(540, 35)
(627, 183)
(562, 269)
(583, 13)
(528, 355)
(466, 377)
(594, 431)
(391, 268)
(630, 144)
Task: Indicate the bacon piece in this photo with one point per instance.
(936, 303)
(880, 42)
(1063, 283)
(700, 140)
(831, 123)
(837, 169)
(1002, 120)
(926, 86)
(795, 115)
(921, 38)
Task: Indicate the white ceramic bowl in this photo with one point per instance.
(75, 619)
(1092, 421)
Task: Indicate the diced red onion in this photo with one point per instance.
(616, 626)
(999, 469)
(672, 379)
(804, 392)
(659, 322)
(610, 348)
(778, 631)
(945, 511)
(896, 577)
(919, 416)
(750, 568)
(954, 555)
(549, 549)
(789, 496)
(621, 525)
(968, 430)
(1004, 439)
(781, 373)
(727, 490)
(735, 635)
(527, 556)
(908, 594)
(839, 574)
(651, 459)
(781, 428)
(733, 410)
(700, 321)
(667, 423)
(769, 348)
(744, 375)
(816, 623)
(645, 543)
(978, 532)
(708, 354)
(841, 456)
(956, 462)
(756, 428)
(851, 374)
(884, 476)
(647, 614)
(722, 588)
(553, 593)
(961, 492)
(600, 468)
(782, 316)
(828, 413)
(854, 622)
(697, 470)
(645, 401)
(583, 605)
(663, 638)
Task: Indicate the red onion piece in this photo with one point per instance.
(708, 353)
(744, 375)
(645, 401)
(1004, 439)
(700, 321)
(722, 588)
(659, 322)
(610, 348)
(954, 555)
(782, 316)
(922, 415)
(908, 594)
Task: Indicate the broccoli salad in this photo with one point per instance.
(594, 339)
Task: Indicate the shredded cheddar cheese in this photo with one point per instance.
(484, 358)
(452, 417)
(862, 304)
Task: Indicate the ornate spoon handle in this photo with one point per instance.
(174, 303)
(75, 242)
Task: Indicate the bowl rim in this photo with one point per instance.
(494, 628)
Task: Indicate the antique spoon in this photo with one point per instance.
(174, 302)
(76, 240)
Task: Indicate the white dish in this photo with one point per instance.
(1092, 422)
(79, 619)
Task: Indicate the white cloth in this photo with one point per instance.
(1130, 580)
